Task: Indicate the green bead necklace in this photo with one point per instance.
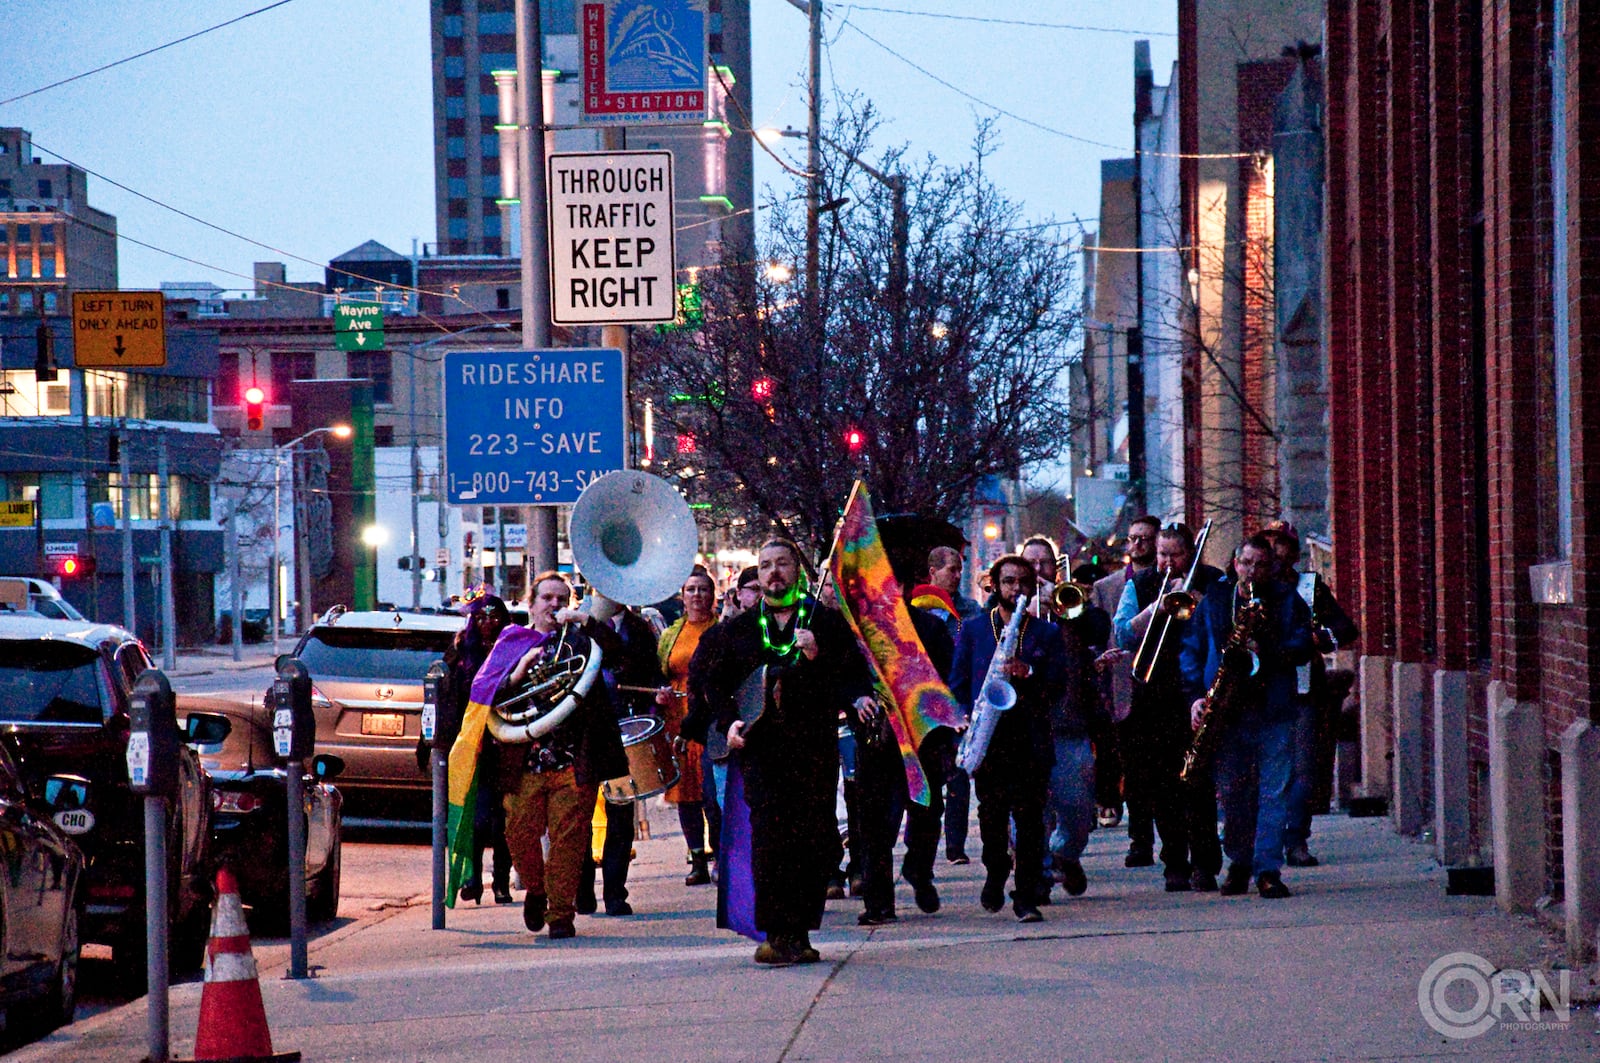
(788, 649)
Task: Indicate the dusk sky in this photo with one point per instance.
(308, 127)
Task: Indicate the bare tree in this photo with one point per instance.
(921, 390)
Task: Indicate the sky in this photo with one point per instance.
(308, 127)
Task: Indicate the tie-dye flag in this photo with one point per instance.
(508, 649)
(870, 598)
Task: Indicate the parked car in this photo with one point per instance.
(36, 596)
(366, 690)
(249, 824)
(65, 688)
(41, 900)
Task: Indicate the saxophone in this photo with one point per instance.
(994, 697)
(1222, 700)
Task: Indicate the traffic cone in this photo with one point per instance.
(233, 1021)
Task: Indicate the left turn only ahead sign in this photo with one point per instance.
(116, 330)
(611, 242)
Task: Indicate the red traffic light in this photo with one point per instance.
(255, 408)
(686, 443)
(72, 566)
(854, 440)
(762, 389)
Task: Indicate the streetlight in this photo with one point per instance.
(303, 580)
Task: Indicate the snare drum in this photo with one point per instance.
(652, 769)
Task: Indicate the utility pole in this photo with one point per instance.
(235, 595)
(540, 552)
(615, 139)
(169, 617)
(124, 476)
(416, 487)
(814, 159)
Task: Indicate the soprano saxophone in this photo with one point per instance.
(1222, 700)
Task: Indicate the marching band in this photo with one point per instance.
(1208, 683)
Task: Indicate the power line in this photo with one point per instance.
(141, 55)
(1014, 22)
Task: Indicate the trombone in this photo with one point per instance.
(1069, 600)
(1172, 607)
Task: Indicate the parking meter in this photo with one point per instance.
(430, 699)
(294, 725)
(153, 744)
(153, 736)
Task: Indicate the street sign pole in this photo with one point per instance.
(541, 520)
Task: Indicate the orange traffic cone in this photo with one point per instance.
(233, 1021)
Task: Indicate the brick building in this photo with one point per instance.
(1463, 325)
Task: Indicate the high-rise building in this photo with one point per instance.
(51, 241)
(714, 182)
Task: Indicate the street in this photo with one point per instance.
(1125, 970)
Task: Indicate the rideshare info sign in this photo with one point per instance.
(531, 427)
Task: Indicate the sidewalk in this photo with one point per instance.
(209, 660)
(1124, 972)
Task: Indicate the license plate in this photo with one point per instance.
(387, 724)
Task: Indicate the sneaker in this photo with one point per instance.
(926, 895)
(1236, 882)
(1027, 913)
(619, 908)
(874, 918)
(1270, 885)
(533, 907)
(958, 859)
(1073, 880)
(1178, 882)
(1202, 881)
(1299, 856)
(993, 897)
(1109, 817)
(1140, 855)
(562, 928)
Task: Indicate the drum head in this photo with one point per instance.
(636, 729)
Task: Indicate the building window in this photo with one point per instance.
(383, 435)
(452, 25)
(55, 495)
(287, 367)
(500, 22)
(458, 228)
(374, 366)
(456, 187)
(45, 189)
(502, 298)
(47, 268)
(225, 386)
(491, 224)
(489, 145)
(491, 61)
(455, 147)
(491, 186)
(489, 107)
(454, 66)
(47, 235)
(455, 107)
(50, 302)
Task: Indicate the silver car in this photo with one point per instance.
(366, 690)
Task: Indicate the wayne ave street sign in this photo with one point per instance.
(644, 61)
(115, 330)
(612, 253)
(358, 327)
(531, 427)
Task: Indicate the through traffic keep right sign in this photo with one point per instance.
(611, 244)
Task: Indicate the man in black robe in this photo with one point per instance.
(790, 754)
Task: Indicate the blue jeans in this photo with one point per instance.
(1072, 805)
(1303, 772)
(1253, 768)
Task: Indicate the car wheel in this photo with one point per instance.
(324, 903)
(61, 1005)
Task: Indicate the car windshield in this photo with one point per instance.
(369, 653)
(55, 608)
(50, 682)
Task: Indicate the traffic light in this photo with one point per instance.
(686, 443)
(72, 566)
(44, 358)
(762, 389)
(255, 408)
(855, 440)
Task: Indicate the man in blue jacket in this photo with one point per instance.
(1013, 779)
(1255, 755)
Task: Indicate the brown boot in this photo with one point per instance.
(699, 868)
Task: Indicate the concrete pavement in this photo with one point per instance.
(1126, 971)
